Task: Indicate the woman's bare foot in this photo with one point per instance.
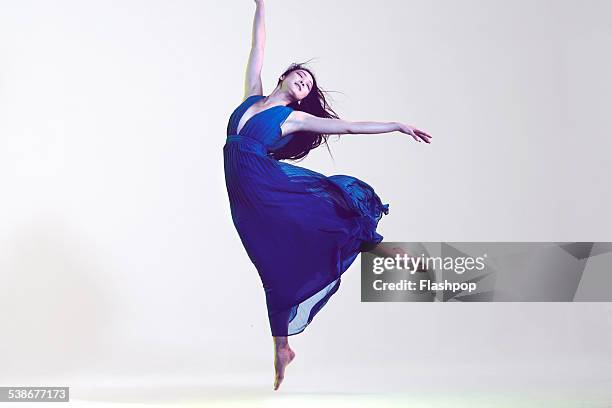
(283, 355)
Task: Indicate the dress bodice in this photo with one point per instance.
(264, 126)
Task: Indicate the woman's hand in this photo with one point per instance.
(414, 132)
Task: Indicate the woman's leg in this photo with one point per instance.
(283, 355)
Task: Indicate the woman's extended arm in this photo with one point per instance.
(253, 84)
(302, 121)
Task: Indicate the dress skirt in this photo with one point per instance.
(301, 229)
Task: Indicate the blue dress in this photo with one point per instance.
(301, 229)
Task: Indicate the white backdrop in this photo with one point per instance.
(118, 255)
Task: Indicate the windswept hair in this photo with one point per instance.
(315, 104)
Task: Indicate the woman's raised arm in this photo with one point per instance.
(302, 121)
(253, 84)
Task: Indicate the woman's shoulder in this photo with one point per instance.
(252, 96)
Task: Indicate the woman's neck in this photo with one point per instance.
(277, 97)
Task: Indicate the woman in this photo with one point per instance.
(300, 229)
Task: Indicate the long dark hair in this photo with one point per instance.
(315, 103)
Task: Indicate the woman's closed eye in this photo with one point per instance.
(308, 85)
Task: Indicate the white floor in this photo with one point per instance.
(205, 396)
(584, 385)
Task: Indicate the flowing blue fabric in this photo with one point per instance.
(301, 229)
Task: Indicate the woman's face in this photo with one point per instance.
(299, 83)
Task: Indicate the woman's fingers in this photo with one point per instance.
(426, 134)
(416, 134)
(421, 132)
(423, 135)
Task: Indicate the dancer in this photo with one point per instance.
(300, 229)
